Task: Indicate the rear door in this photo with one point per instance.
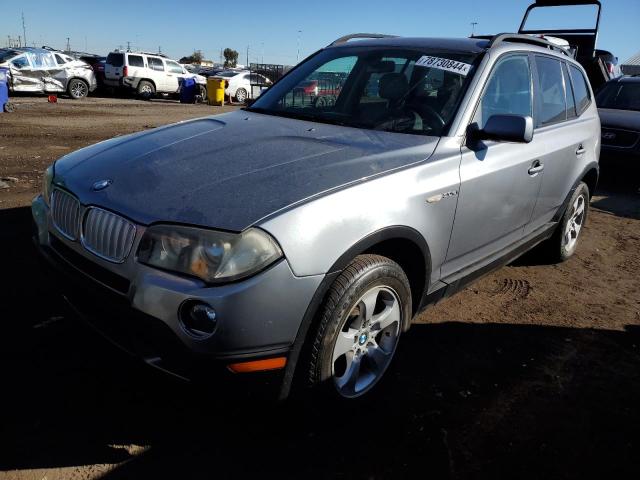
(566, 129)
(499, 182)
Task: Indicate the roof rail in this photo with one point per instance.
(520, 38)
(155, 54)
(346, 38)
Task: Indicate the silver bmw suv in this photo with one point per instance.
(292, 242)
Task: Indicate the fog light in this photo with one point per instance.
(198, 320)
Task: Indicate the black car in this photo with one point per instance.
(619, 107)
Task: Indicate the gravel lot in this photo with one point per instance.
(532, 372)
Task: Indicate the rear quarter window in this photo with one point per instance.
(115, 59)
(136, 61)
(580, 89)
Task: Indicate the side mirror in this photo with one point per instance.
(506, 128)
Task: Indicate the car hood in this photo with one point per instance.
(231, 170)
(624, 119)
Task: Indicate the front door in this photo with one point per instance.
(500, 181)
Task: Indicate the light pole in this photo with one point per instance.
(298, 54)
(473, 28)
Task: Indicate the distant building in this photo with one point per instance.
(632, 66)
(206, 63)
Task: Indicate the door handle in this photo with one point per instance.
(581, 150)
(536, 168)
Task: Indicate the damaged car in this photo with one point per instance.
(39, 70)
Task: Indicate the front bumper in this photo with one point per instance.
(137, 306)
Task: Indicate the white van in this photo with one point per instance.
(148, 74)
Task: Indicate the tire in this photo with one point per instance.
(321, 102)
(241, 95)
(564, 242)
(77, 88)
(202, 92)
(146, 90)
(352, 345)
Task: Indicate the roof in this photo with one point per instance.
(634, 60)
(470, 45)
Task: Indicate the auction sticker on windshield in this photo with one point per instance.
(444, 64)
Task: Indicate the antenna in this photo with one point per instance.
(24, 31)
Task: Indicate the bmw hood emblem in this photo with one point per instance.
(101, 185)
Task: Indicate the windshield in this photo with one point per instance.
(620, 96)
(398, 90)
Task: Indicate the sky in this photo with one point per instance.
(281, 31)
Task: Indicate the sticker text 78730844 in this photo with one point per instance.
(444, 64)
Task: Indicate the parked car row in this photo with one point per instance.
(147, 74)
(44, 70)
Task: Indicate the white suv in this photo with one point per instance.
(148, 74)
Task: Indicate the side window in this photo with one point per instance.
(571, 103)
(551, 96)
(60, 60)
(136, 61)
(173, 67)
(20, 62)
(155, 64)
(508, 90)
(580, 88)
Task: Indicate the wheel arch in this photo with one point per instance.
(155, 87)
(402, 244)
(71, 79)
(590, 177)
(405, 246)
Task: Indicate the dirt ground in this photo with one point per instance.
(532, 372)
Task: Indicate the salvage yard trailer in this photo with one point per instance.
(582, 41)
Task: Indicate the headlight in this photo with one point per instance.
(46, 183)
(212, 256)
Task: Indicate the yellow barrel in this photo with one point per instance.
(215, 90)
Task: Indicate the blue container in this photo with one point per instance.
(188, 90)
(4, 88)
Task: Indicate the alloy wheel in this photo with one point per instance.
(574, 225)
(367, 341)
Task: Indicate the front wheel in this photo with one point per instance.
(78, 89)
(360, 326)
